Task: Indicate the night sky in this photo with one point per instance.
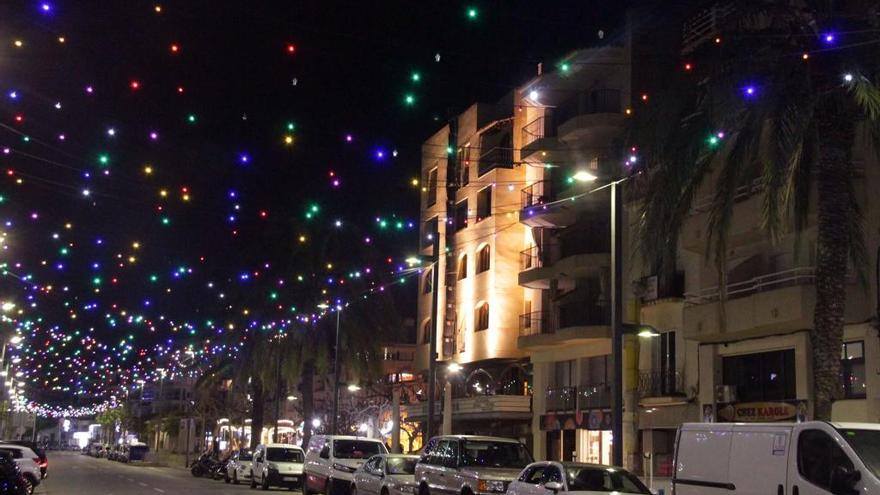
(218, 82)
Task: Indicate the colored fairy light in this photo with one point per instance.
(291, 48)
(244, 158)
(154, 135)
(111, 132)
(19, 118)
(472, 13)
(86, 192)
(348, 138)
(805, 56)
(18, 43)
(191, 118)
(135, 85)
(46, 7)
(174, 48)
(103, 159)
(750, 91)
(409, 99)
(291, 126)
(58, 105)
(157, 8)
(848, 77)
(61, 39)
(13, 95)
(380, 154)
(180, 90)
(148, 170)
(415, 77)
(90, 89)
(688, 66)
(288, 140)
(829, 38)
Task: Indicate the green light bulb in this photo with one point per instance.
(472, 13)
(291, 126)
(191, 118)
(415, 77)
(409, 100)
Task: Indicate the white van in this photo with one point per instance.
(811, 458)
(277, 464)
(332, 459)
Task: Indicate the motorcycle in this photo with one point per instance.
(204, 466)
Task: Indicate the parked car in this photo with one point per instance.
(541, 478)
(239, 466)
(332, 459)
(386, 474)
(28, 462)
(40, 451)
(809, 458)
(277, 464)
(12, 482)
(113, 452)
(133, 452)
(467, 464)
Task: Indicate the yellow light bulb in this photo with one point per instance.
(148, 170)
(163, 193)
(288, 140)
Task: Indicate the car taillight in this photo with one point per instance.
(37, 460)
(44, 463)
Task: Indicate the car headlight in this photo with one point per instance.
(343, 468)
(496, 486)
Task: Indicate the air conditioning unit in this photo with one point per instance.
(725, 394)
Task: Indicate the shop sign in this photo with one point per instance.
(755, 412)
(593, 419)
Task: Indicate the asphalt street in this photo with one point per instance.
(75, 474)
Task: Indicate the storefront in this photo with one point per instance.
(582, 437)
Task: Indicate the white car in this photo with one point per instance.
(239, 466)
(386, 474)
(277, 464)
(549, 478)
(28, 462)
(332, 459)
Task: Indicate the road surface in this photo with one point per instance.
(71, 473)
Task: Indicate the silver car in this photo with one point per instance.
(551, 477)
(469, 465)
(386, 474)
(239, 466)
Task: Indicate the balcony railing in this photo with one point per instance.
(536, 194)
(537, 129)
(597, 396)
(561, 399)
(770, 281)
(497, 157)
(536, 323)
(661, 383)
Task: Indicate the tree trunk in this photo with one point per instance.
(832, 250)
(306, 389)
(257, 411)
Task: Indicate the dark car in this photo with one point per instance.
(12, 482)
(39, 450)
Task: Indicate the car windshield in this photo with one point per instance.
(356, 449)
(245, 455)
(596, 479)
(866, 443)
(494, 454)
(281, 454)
(400, 465)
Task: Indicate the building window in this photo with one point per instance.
(482, 319)
(464, 165)
(484, 203)
(466, 173)
(527, 314)
(852, 370)
(429, 232)
(461, 215)
(483, 260)
(765, 376)
(426, 331)
(462, 267)
(432, 187)
(428, 282)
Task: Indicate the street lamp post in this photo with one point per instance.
(333, 421)
(617, 324)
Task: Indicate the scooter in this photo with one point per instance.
(203, 466)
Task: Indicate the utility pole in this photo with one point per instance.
(333, 422)
(617, 323)
(278, 398)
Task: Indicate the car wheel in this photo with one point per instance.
(253, 481)
(353, 489)
(265, 484)
(235, 477)
(29, 485)
(423, 489)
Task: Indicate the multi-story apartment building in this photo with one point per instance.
(571, 128)
(470, 200)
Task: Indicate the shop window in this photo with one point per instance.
(852, 370)
(482, 319)
(765, 376)
(462, 267)
(819, 458)
(484, 203)
(483, 259)
(428, 282)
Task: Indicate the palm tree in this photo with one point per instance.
(755, 107)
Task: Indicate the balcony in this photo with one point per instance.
(581, 398)
(660, 383)
(564, 261)
(543, 204)
(539, 143)
(497, 157)
(743, 229)
(571, 324)
(779, 301)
